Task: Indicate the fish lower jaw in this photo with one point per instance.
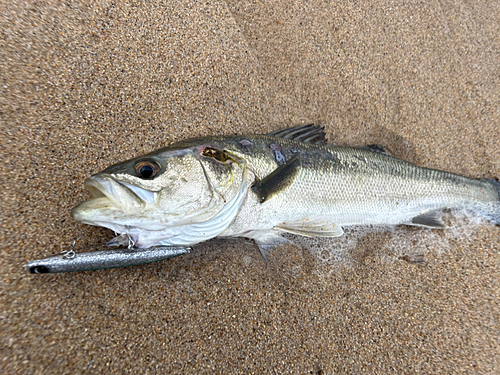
(105, 210)
(102, 212)
(95, 209)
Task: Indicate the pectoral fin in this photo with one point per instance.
(121, 240)
(278, 180)
(318, 228)
(430, 219)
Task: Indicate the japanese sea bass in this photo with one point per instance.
(259, 186)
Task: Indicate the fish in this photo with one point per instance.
(262, 186)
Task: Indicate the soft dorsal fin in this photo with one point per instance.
(277, 180)
(304, 133)
(376, 148)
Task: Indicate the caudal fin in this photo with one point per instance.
(493, 211)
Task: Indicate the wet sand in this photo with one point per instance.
(87, 85)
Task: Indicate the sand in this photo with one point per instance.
(87, 84)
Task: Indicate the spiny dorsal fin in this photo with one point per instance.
(430, 220)
(277, 180)
(304, 133)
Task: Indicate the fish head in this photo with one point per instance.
(163, 197)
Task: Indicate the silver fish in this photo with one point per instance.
(259, 186)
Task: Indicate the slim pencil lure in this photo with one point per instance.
(103, 259)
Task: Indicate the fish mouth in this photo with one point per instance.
(110, 195)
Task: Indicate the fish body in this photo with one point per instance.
(259, 186)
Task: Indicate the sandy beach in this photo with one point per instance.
(87, 84)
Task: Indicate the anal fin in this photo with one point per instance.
(430, 219)
(315, 228)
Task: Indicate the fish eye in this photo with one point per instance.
(147, 168)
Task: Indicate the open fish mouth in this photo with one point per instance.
(110, 194)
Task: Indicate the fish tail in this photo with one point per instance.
(492, 212)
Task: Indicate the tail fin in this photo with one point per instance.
(493, 212)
